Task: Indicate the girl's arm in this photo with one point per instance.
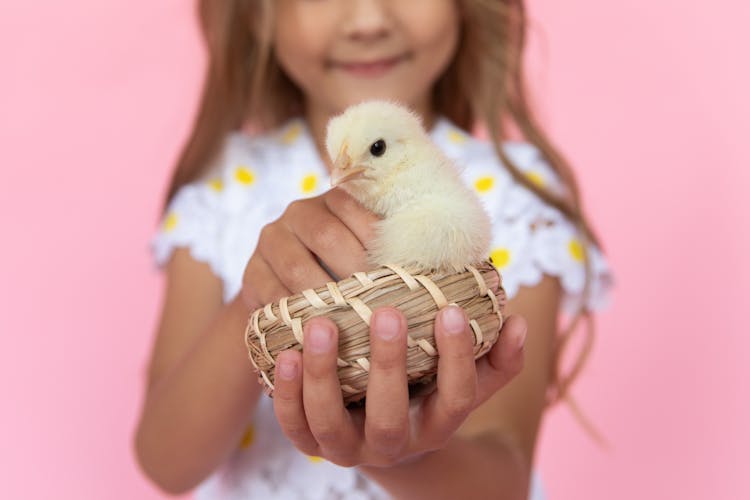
(491, 454)
(201, 388)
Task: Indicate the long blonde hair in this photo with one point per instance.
(483, 84)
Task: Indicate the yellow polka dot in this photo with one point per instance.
(170, 222)
(315, 459)
(216, 184)
(576, 250)
(248, 437)
(500, 257)
(456, 137)
(291, 134)
(309, 182)
(244, 175)
(536, 178)
(484, 184)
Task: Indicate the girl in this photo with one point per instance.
(249, 221)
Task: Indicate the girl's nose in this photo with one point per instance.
(367, 20)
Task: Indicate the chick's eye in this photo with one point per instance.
(378, 148)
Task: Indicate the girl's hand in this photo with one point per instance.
(391, 428)
(332, 226)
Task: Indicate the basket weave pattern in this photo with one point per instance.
(349, 304)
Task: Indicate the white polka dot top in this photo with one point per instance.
(219, 219)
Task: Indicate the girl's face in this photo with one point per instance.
(341, 52)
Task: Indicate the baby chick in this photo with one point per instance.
(385, 159)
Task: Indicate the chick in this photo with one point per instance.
(384, 158)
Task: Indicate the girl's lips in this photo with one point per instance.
(369, 69)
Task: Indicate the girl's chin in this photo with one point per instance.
(348, 94)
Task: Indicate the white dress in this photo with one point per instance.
(219, 218)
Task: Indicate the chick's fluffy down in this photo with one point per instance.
(442, 231)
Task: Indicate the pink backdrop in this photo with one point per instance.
(647, 98)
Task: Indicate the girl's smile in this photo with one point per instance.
(373, 68)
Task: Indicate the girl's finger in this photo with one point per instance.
(290, 260)
(446, 408)
(357, 218)
(504, 361)
(387, 401)
(260, 284)
(321, 393)
(332, 241)
(287, 402)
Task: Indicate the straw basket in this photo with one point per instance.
(349, 304)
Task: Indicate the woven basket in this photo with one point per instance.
(349, 304)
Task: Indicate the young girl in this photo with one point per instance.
(250, 220)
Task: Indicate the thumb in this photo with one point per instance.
(504, 361)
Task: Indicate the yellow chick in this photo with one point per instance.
(385, 159)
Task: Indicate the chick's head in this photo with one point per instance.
(370, 142)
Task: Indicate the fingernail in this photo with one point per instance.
(386, 324)
(521, 340)
(287, 370)
(319, 339)
(453, 320)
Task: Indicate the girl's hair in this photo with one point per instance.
(484, 84)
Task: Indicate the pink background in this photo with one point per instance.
(647, 98)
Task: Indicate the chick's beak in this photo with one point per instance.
(343, 170)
